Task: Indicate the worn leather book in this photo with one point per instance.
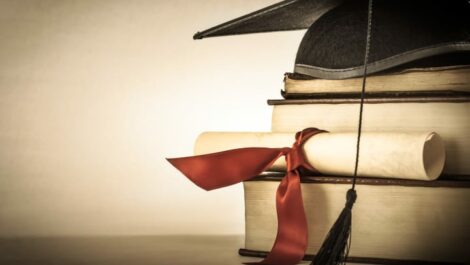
(394, 221)
(447, 116)
(447, 78)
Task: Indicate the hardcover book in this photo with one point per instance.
(447, 78)
(447, 116)
(407, 221)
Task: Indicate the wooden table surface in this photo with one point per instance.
(137, 250)
(130, 250)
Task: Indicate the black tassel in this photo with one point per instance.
(334, 249)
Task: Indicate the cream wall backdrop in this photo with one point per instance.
(95, 94)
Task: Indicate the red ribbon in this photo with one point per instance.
(216, 170)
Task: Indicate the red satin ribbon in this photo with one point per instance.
(216, 170)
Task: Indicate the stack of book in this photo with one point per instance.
(394, 220)
(419, 82)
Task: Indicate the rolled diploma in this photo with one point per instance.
(390, 155)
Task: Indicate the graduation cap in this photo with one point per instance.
(417, 32)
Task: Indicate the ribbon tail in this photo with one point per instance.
(216, 170)
(292, 231)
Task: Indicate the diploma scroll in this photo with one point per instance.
(390, 155)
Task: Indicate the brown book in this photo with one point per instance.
(447, 116)
(448, 78)
(394, 221)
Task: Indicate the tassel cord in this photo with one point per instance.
(363, 91)
(361, 111)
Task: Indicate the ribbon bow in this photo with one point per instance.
(217, 170)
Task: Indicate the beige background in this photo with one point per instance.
(95, 94)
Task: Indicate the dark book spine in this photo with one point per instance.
(363, 260)
(371, 100)
(444, 181)
(428, 96)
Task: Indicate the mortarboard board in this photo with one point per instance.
(404, 32)
(285, 15)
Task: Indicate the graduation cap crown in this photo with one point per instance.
(426, 33)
